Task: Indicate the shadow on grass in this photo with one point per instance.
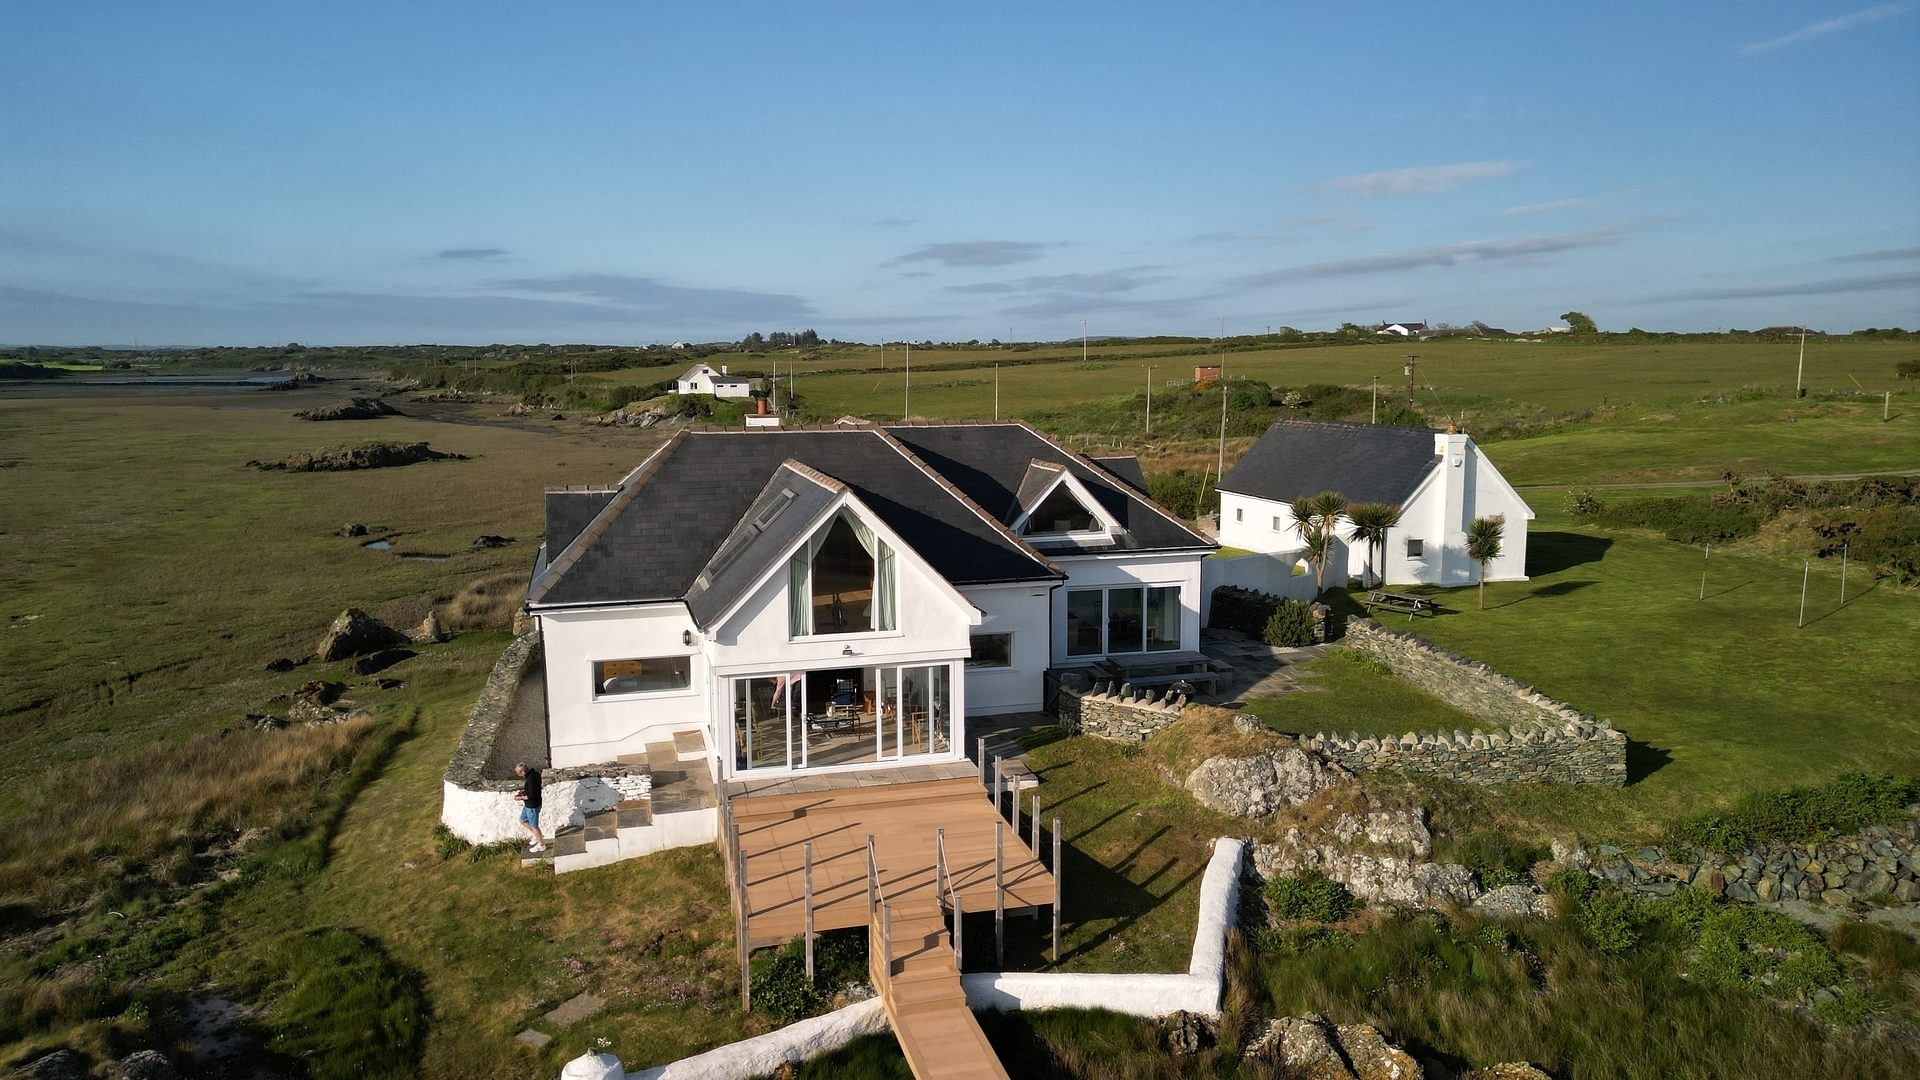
(1851, 597)
(1552, 552)
(1644, 759)
(1558, 588)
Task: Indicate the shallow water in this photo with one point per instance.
(377, 545)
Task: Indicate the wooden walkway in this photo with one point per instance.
(873, 856)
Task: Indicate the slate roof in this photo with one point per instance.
(785, 511)
(1125, 466)
(655, 537)
(989, 462)
(1364, 462)
(568, 512)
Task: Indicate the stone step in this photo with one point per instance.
(690, 745)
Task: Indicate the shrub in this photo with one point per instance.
(1290, 624)
(1689, 519)
(1584, 502)
(1311, 895)
(1847, 803)
(347, 1009)
(1498, 860)
(1609, 921)
(780, 987)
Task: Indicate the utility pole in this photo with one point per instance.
(1223, 428)
(1149, 399)
(1800, 371)
(1376, 400)
(1411, 361)
(906, 402)
(1083, 341)
(996, 392)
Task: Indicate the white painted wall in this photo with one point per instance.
(1090, 571)
(584, 729)
(1261, 572)
(1462, 486)
(1023, 611)
(488, 817)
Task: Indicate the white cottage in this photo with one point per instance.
(1441, 481)
(842, 599)
(703, 379)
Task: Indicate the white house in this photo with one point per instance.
(1403, 329)
(1441, 481)
(703, 379)
(843, 598)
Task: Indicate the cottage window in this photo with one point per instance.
(640, 676)
(1276, 523)
(843, 580)
(1415, 548)
(1239, 513)
(991, 651)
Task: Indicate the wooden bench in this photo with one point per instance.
(1412, 605)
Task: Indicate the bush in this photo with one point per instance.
(1184, 493)
(1290, 624)
(1584, 502)
(1845, 804)
(347, 1010)
(1609, 921)
(1311, 895)
(1689, 519)
(780, 987)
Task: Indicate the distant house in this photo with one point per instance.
(1403, 329)
(1441, 481)
(703, 379)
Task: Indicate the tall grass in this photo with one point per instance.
(149, 815)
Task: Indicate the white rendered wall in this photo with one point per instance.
(488, 817)
(1260, 572)
(1247, 522)
(1090, 571)
(583, 729)
(1023, 611)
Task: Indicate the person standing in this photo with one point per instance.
(530, 805)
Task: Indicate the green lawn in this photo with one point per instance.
(1719, 696)
(1346, 692)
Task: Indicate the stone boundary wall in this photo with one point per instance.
(1874, 865)
(483, 811)
(1118, 713)
(1199, 990)
(1582, 752)
(1462, 682)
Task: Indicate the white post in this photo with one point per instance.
(999, 895)
(1843, 572)
(1056, 890)
(1703, 571)
(1805, 568)
(806, 856)
(1801, 370)
(1886, 403)
(1083, 341)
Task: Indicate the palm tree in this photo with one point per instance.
(1483, 546)
(1371, 521)
(1315, 518)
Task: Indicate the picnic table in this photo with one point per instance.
(1392, 601)
(1146, 671)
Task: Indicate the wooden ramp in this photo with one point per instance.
(919, 983)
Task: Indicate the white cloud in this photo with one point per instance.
(1826, 26)
(1423, 179)
(1472, 251)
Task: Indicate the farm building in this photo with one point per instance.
(703, 379)
(1441, 481)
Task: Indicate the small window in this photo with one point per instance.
(1061, 512)
(991, 651)
(1276, 523)
(780, 502)
(1239, 513)
(611, 677)
(1415, 548)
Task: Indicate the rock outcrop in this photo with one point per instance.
(1263, 784)
(380, 455)
(429, 632)
(356, 633)
(359, 408)
(1382, 858)
(1310, 1048)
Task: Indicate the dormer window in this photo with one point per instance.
(1054, 506)
(1061, 512)
(843, 580)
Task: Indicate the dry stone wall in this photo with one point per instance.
(1581, 752)
(1118, 713)
(1880, 864)
(1462, 682)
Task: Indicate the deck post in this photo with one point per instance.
(1056, 890)
(1036, 824)
(959, 920)
(886, 938)
(806, 869)
(939, 866)
(873, 878)
(998, 779)
(999, 895)
(982, 755)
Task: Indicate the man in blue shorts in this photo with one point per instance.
(530, 804)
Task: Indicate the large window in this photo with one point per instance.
(1061, 512)
(991, 651)
(641, 676)
(843, 580)
(1124, 619)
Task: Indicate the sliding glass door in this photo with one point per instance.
(832, 718)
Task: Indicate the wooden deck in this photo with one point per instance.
(920, 988)
(904, 819)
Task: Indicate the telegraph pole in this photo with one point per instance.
(1149, 399)
(906, 402)
(1376, 400)
(1083, 341)
(1800, 371)
(1411, 361)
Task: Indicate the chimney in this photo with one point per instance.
(763, 406)
(723, 369)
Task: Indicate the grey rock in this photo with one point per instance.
(1372, 1058)
(62, 1064)
(147, 1065)
(1188, 1032)
(356, 633)
(1303, 1045)
(1263, 784)
(1513, 902)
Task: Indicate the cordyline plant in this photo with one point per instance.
(1316, 518)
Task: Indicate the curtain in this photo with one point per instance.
(884, 575)
(800, 585)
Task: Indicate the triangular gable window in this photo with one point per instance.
(1061, 512)
(843, 580)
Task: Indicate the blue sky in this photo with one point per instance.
(353, 173)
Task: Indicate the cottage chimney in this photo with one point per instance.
(762, 410)
(723, 369)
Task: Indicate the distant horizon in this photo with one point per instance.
(603, 172)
